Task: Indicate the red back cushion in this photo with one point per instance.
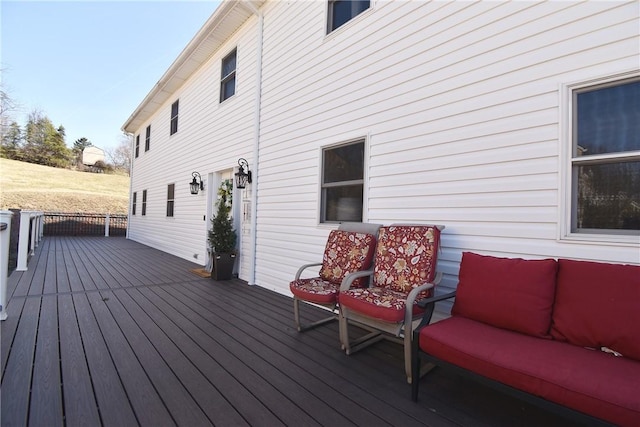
(510, 293)
(347, 252)
(598, 305)
(406, 256)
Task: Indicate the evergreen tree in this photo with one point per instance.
(78, 148)
(44, 143)
(11, 147)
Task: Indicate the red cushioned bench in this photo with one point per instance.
(563, 334)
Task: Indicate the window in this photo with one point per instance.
(174, 118)
(144, 202)
(170, 198)
(137, 145)
(133, 203)
(605, 158)
(228, 81)
(342, 183)
(147, 139)
(342, 11)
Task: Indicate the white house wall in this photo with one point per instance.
(460, 106)
(211, 137)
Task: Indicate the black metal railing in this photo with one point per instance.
(84, 224)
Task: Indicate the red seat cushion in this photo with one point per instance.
(380, 303)
(315, 290)
(347, 252)
(598, 304)
(589, 381)
(509, 293)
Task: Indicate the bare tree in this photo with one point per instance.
(120, 156)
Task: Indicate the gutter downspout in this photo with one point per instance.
(256, 143)
(133, 153)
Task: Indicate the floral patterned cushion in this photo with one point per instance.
(315, 290)
(347, 252)
(380, 303)
(406, 257)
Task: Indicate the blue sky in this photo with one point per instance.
(88, 64)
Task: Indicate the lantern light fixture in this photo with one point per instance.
(243, 178)
(196, 183)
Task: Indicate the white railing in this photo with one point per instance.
(31, 228)
(5, 236)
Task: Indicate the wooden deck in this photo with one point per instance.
(106, 331)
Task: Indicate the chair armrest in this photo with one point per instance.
(429, 304)
(304, 267)
(349, 278)
(426, 301)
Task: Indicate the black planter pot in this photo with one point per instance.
(223, 266)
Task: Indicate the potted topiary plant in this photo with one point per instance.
(222, 236)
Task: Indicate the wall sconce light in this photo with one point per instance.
(196, 183)
(242, 177)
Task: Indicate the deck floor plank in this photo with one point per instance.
(106, 331)
(175, 396)
(194, 345)
(113, 403)
(147, 403)
(46, 408)
(79, 397)
(16, 378)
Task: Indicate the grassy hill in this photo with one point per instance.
(28, 186)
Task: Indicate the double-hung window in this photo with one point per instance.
(147, 139)
(144, 202)
(340, 12)
(137, 145)
(342, 188)
(228, 76)
(170, 198)
(133, 203)
(174, 117)
(604, 161)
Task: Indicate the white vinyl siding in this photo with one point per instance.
(460, 103)
(211, 138)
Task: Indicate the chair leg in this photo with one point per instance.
(354, 346)
(415, 371)
(343, 330)
(407, 356)
(302, 328)
(296, 313)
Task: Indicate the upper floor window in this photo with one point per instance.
(144, 202)
(174, 117)
(342, 11)
(228, 80)
(170, 198)
(133, 203)
(342, 183)
(147, 139)
(137, 145)
(605, 158)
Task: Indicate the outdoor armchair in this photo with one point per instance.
(349, 249)
(404, 272)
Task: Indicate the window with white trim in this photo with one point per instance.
(342, 188)
(147, 139)
(605, 158)
(137, 145)
(339, 12)
(170, 199)
(134, 202)
(228, 79)
(174, 117)
(144, 202)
